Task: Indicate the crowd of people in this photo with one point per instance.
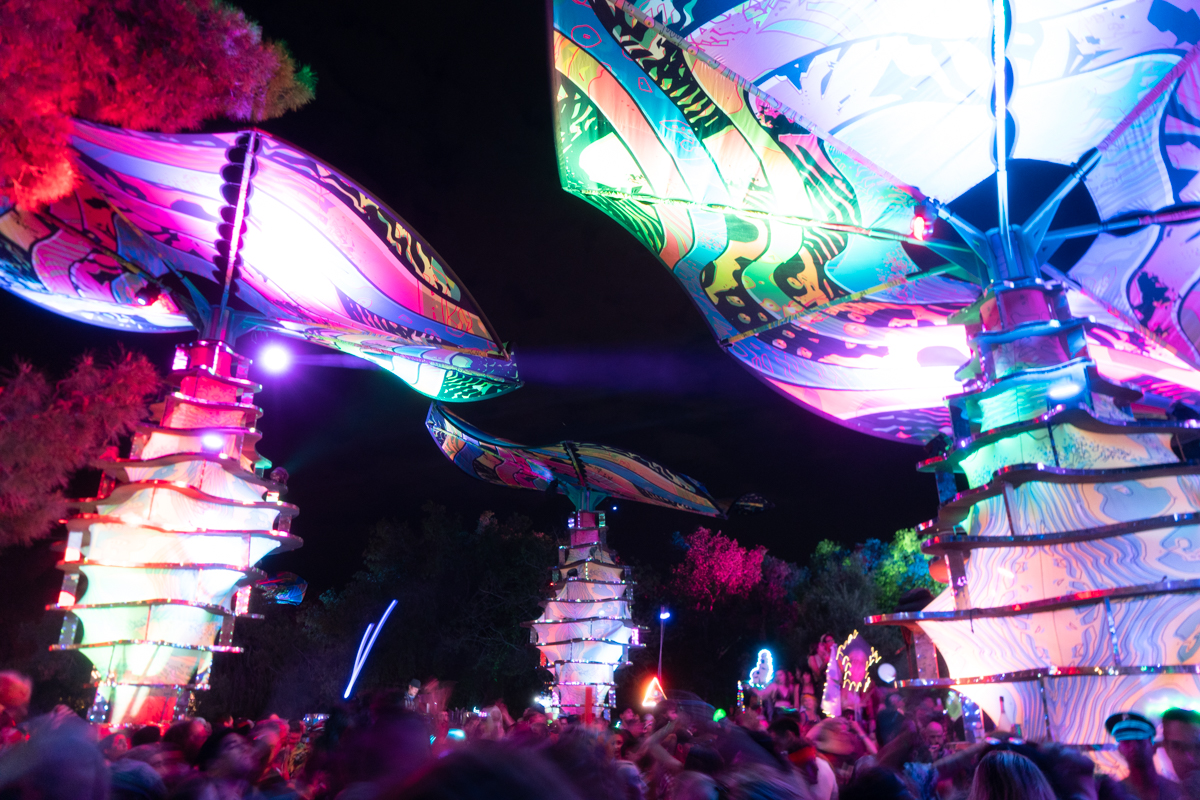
(389, 746)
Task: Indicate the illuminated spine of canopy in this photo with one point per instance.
(1070, 537)
(585, 631)
(158, 568)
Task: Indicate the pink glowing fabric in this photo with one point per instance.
(774, 156)
(587, 473)
(145, 242)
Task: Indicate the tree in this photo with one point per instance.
(716, 569)
(166, 65)
(727, 601)
(49, 431)
(462, 594)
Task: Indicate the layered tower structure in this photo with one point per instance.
(160, 564)
(1070, 537)
(585, 630)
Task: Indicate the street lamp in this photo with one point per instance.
(664, 614)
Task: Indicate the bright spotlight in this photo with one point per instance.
(1061, 391)
(275, 358)
(212, 441)
(664, 613)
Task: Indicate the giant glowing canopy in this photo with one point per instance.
(774, 155)
(145, 241)
(587, 473)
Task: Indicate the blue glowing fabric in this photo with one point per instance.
(587, 473)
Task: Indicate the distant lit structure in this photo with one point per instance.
(585, 630)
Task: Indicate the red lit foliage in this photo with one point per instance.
(716, 568)
(49, 431)
(165, 65)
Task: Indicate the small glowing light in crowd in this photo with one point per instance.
(664, 613)
(275, 358)
(719, 715)
(887, 673)
(654, 694)
(1061, 391)
(212, 441)
(457, 733)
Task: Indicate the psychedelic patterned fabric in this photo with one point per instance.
(145, 242)
(587, 473)
(774, 155)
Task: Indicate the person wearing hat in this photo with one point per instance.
(1181, 741)
(1135, 742)
(410, 695)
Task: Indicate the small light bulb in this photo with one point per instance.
(920, 228)
(212, 441)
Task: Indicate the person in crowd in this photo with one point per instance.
(15, 693)
(818, 660)
(877, 783)
(147, 734)
(889, 721)
(815, 778)
(1135, 742)
(1181, 740)
(1007, 775)
(188, 736)
(410, 695)
(779, 696)
(933, 735)
(115, 745)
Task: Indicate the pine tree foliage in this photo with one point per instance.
(163, 65)
(48, 431)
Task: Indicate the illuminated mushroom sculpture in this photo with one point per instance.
(224, 233)
(971, 225)
(585, 630)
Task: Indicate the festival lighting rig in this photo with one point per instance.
(1030, 312)
(227, 233)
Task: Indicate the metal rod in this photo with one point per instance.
(235, 236)
(1001, 112)
(1157, 218)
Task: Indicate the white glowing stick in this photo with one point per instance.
(361, 658)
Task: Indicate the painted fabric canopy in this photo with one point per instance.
(587, 473)
(145, 242)
(805, 170)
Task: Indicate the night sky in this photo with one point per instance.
(444, 113)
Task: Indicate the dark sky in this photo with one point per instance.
(444, 113)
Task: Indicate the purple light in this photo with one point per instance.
(212, 441)
(275, 358)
